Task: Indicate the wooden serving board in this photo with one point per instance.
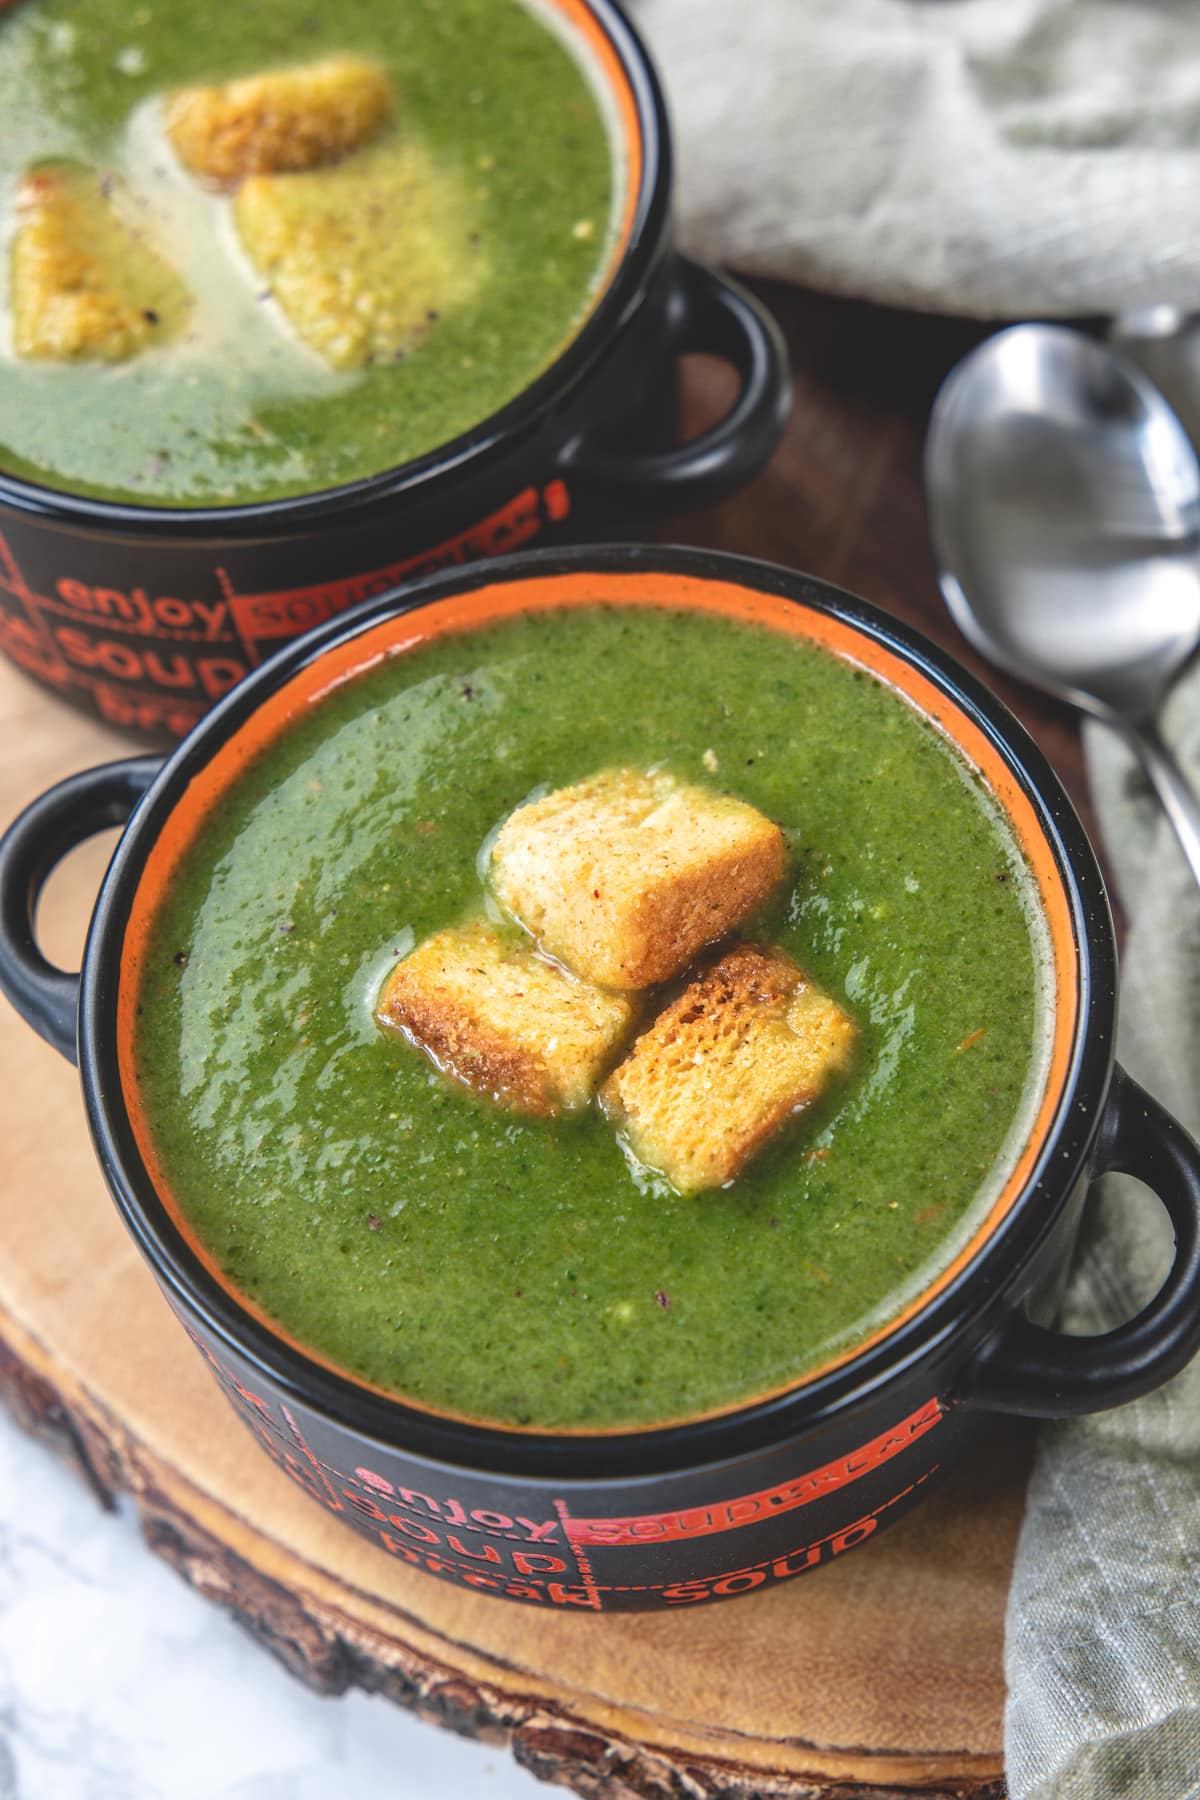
(875, 1677)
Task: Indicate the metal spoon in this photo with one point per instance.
(1064, 500)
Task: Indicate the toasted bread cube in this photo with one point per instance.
(84, 283)
(363, 257)
(748, 1043)
(488, 1011)
(282, 119)
(626, 876)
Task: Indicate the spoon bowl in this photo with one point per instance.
(1064, 500)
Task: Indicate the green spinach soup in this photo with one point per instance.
(525, 1270)
(183, 325)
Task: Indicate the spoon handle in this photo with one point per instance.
(1173, 788)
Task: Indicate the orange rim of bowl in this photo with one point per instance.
(604, 57)
(488, 605)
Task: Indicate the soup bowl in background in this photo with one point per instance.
(146, 615)
(661, 1517)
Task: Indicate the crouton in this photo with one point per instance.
(363, 258)
(626, 876)
(84, 282)
(748, 1043)
(489, 1012)
(282, 119)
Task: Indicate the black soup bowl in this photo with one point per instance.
(663, 1517)
(147, 615)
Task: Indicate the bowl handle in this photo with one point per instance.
(94, 800)
(1050, 1375)
(711, 315)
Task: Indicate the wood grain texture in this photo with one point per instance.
(877, 1677)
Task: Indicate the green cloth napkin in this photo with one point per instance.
(1103, 1629)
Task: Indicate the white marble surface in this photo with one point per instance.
(118, 1683)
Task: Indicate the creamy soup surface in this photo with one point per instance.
(523, 1271)
(493, 179)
